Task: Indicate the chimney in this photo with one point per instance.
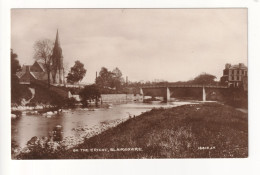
(27, 69)
(96, 77)
(227, 66)
(241, 65)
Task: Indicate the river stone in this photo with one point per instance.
(34, 140)
(49, 113)
(13, 116)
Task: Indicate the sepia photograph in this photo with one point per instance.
(125, 83)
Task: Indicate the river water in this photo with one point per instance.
(28, 126)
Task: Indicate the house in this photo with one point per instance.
(36, 71)
(234, 75)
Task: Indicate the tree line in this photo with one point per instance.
(107, 81)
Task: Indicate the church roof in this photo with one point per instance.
(37, 70)
(39, 75)
(20, 74)
(41, 65)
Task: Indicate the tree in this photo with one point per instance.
(77, 72)
(43, 51)
(204, 79)
(105, 78)
(117, 79)
(90, 92)
(15, 67)
(109, 80)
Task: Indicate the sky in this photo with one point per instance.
(145, 44)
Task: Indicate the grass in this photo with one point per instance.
(192, 131)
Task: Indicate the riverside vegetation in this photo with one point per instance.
(207, 130)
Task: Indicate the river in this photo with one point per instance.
(28, 126)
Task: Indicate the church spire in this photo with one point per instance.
(57, 51)
(57, 61)
(57, 41)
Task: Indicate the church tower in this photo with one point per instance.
(57, 62)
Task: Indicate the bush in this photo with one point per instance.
(71, 102)
(42, 149)
(33, 104)
(90, 92)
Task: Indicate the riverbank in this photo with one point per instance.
(190, 131)
(48, 110)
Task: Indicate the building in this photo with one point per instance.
(57, 62)
(234, 75)
(38, 71)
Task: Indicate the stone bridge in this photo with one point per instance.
(198, 92)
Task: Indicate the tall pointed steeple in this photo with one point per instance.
(57, 40)
(57, 61)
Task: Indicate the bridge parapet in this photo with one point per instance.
(185, 86)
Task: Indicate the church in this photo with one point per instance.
(38, 71)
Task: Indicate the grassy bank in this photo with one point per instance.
(190, 131)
